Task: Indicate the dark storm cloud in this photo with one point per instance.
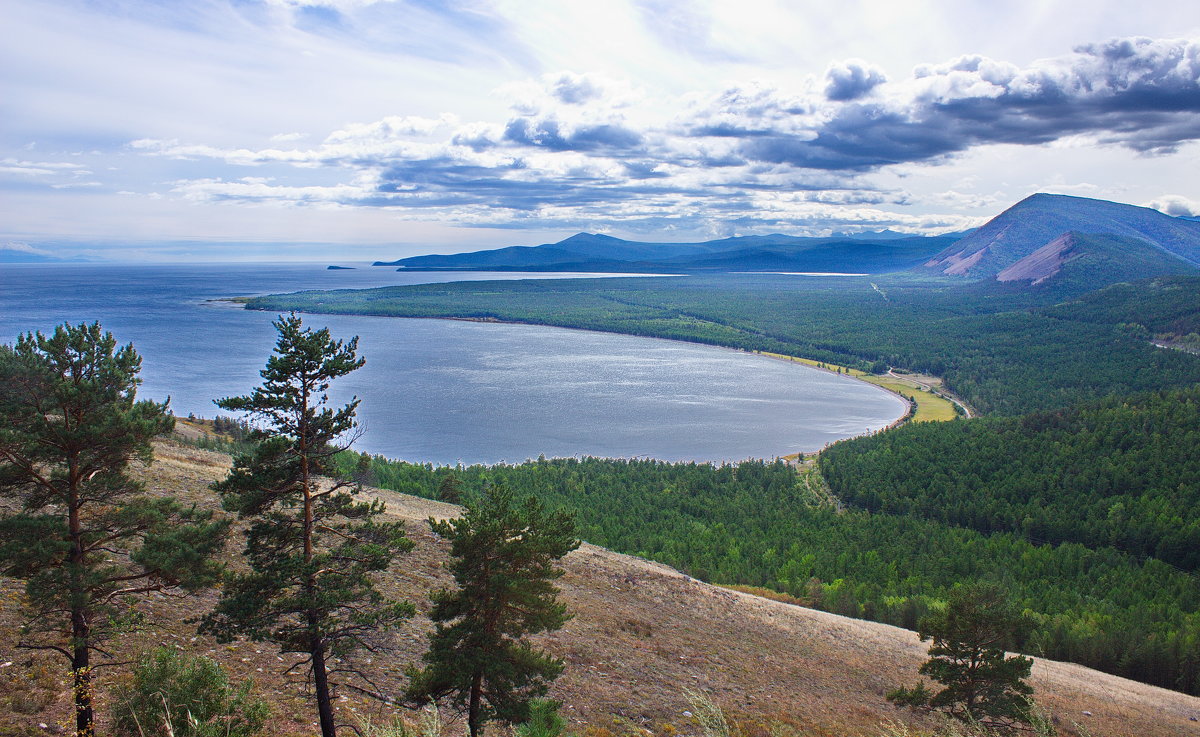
(1140, 93)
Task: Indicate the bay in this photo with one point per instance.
(445, 391)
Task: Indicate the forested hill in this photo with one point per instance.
(756, 523)
(1121, 473)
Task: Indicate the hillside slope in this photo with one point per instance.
(1039, 221)
(642, 633)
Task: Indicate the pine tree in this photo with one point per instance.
(312, 545)
(86, 541)
(968, 657)
(503, 563)
(450, 489)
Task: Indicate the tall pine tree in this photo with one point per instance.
(312, 545)
(504, 553)
(87, 542)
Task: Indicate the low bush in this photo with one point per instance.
(181, 695)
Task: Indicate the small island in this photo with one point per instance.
(339, 268)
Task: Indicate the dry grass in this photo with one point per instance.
(643, 636)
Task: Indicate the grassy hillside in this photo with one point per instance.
(641, 635)
(759, 524)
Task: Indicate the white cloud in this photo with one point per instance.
(1175, 205)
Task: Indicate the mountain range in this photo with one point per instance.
(1056, 239)
(591, 252)
(27, 256)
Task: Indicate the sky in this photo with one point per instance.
(326, 130)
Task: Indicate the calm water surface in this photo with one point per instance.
(447, 391)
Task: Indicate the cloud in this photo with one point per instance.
(590, 93)
(391, 128)
(552, 134)
(1140, 93)
(41, 168)
(583, 149)
(1175, 205)
(575, 89)
(852, 79)
(685, 28)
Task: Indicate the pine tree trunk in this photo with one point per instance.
(321, 686)
(473, 707)
(82, 676)
(316, 647)
(81, 672)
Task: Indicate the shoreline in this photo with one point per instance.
(852, 374)
(909, 381)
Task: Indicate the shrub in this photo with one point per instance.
(544, 720)
(184, 695)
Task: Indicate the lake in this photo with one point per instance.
(446, 391)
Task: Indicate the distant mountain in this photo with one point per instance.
(891, 235)
(1092, 241)
(22, 256)
(1043, 239)
(591, 252)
